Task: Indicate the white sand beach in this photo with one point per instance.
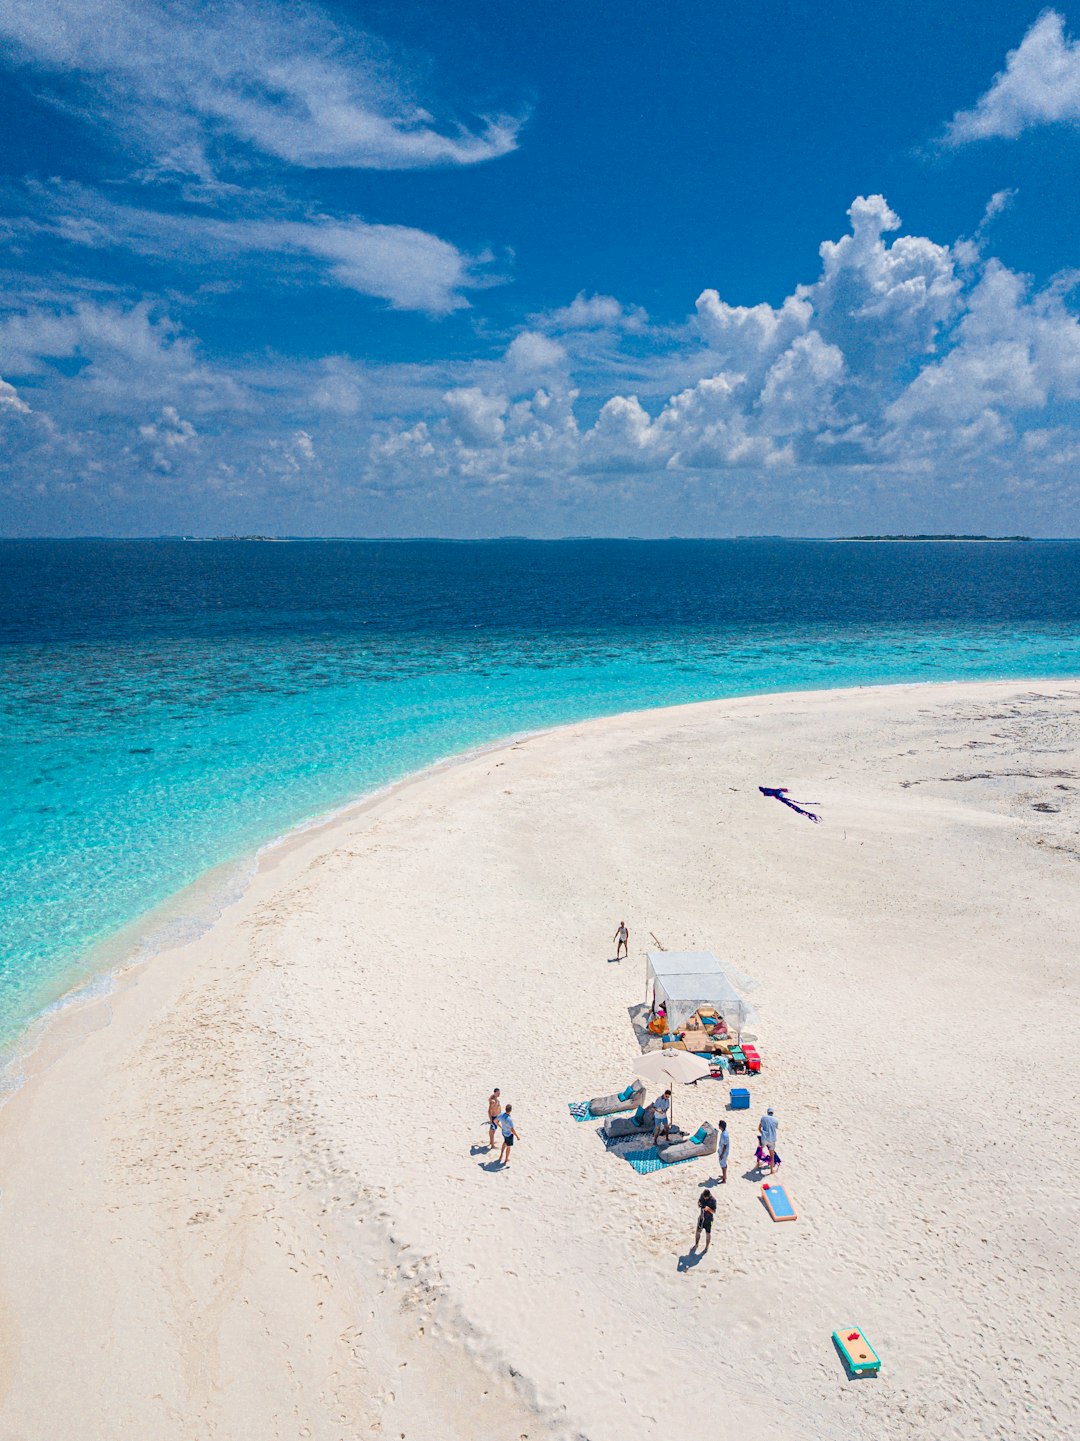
(244, 1195)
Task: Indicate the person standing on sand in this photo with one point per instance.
(767, 1128)
(494, 1107)
(723, 1151)
(706, 1212)
(662, 1116)
(622, 941)
(509, 1136)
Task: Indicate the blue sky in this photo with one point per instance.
(481, 269)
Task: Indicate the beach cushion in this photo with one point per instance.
(617, 1127)
(699, 1135)
(692, 1148)
(624, 1101)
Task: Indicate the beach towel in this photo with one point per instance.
(780, 794)
(648, 1161)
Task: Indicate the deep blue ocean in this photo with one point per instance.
(169, 706)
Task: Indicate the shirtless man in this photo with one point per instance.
(622, 941)
(494, 1107)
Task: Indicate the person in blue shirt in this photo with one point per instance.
(509, 1135)
(767, 1128)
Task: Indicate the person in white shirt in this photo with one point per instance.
(723, 1151)
(662, 1114)
(622, 941)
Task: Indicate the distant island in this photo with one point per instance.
(934, 537)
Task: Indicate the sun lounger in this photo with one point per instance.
(627, 1100)
(702, 1143)
(617, 1128)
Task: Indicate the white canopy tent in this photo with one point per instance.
(684, 981)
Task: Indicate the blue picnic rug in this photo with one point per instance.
(646, 1161)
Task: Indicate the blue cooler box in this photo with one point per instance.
(740, 1098)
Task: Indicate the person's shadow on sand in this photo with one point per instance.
(493, 1165)
(479, 1150)
(689, 1261)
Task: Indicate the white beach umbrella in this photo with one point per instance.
(681, 1068)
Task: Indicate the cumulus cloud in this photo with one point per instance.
(181, 83)
(895, 354)
(529, 352)
(906, 364)
(594, 312)
(881, 303)
(476, 418)
(1015, 352)
(1040, 85)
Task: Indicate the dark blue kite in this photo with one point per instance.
(780, 793)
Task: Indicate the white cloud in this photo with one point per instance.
(1014, 352)
(891, 354)
(906, 367)
(594, 312)
(410, 269)
(749, 335)
(477, 419)
(529, 352)
(111, 358)
(1040, 85)
(10, 400)
(182, 82)
(882, 304)
(801, 385)
(170, 429)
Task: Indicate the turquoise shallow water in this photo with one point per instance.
(148, 737)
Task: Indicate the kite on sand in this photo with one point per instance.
(780, 793)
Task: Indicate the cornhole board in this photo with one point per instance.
(859, 1356)
(778, 1202)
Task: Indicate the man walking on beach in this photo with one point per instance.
(494, 1107)
(509, 1136)
(622, 941)
(723, 1151)
(767, 1128)
(706, 1212)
